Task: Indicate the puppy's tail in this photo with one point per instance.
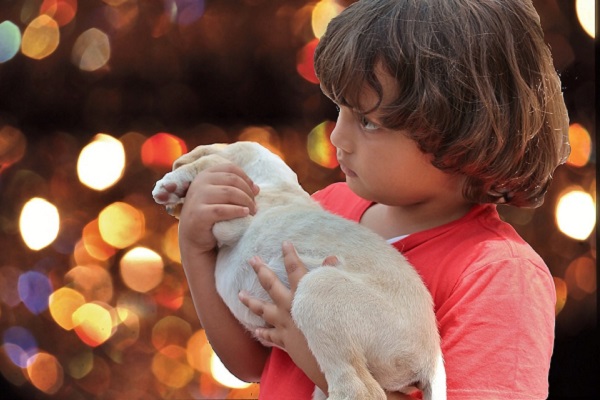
(436, 388)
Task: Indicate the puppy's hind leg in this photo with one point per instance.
(320, 310)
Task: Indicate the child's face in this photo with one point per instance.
(384, 165)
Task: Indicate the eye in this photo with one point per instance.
(367, 124)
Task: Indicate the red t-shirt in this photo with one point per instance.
(494, 301)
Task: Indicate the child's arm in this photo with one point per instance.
(218, 194)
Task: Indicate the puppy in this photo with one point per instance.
(369, 320)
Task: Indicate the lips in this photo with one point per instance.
(347, 171)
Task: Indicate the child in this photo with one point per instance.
(446, 108)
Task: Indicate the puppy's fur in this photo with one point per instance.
(369, 320)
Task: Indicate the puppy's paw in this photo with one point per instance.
(170, 191)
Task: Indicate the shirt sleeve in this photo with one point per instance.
(497, 331)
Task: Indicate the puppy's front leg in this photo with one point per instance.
(172, 188)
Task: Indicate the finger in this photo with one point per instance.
(255, 305)
(293, 265)
(267, 311)
(235, 175)
(269, 336)
(278, 292)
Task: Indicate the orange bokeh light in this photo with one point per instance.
(161, 150)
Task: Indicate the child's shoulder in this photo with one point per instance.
(477, 239)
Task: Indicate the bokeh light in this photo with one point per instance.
(19, 345)
(102, 309)
(171, 243)
(34, 290)
(320, 149)
(39, 223)
(170, 366)
(12, 143)
(142, 269)
(185, 12)
(586, 13)
(62, 11)
(41, 38)
(561, 294)
(323, 12)
(94, 244)
(63, 303)
(10, 41)
(576, 214)
(45, 372)
(161, 150)
(121, 224)
(91, 50)
(92, 281)
(581, 277)
(223, 376)
(93, 323)
(101, 162)
(305, 58)
(581, 145)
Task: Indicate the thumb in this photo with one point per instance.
(294, 267)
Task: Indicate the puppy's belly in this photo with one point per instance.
(315, 234)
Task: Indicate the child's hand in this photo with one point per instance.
(283, 332)
(277, 315)
(217, 194)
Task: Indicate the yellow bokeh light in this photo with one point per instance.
(586, 13)
(45, 372)
(170, 367)
(320, 149)
(41, 37)
(223, 376)
(324, 11)
(39, 223)
(561, 294)
(576, 214)
(265, 135)
(94, 245)
(171, 330)
(171, 243)
(142, 269)
(581, 146)
(101, 162)
(62, 304)
(91, 50)
(93, 324)
(121, 225)
(198, 351)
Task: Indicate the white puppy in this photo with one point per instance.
(369, 320)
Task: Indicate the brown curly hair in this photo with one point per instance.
(476, 87)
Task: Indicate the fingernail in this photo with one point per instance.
(254, 261)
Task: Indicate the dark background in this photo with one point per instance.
(206, 80)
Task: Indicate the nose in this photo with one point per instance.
(341, 133)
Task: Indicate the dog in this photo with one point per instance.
(368, 320)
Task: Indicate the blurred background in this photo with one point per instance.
(98, 97)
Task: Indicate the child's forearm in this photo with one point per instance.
(240, 353)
